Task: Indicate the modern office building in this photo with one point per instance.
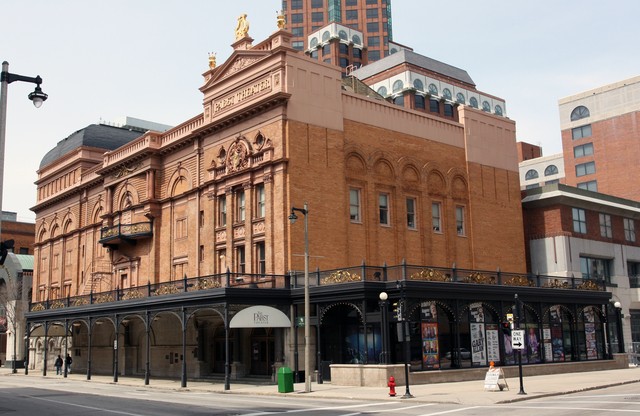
(372, 18)
(173, 254)
(601, 138)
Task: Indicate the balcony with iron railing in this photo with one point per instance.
(294, 280)
(125, 232)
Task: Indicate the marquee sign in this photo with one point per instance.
(260, 317)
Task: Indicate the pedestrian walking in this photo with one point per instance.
(58, 365)
(67, 362)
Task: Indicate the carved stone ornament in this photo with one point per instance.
(237, 157)
(125, 170)
(238, 65)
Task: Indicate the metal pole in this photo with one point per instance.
(307, 306)
(3, 127)
(184, 348)
(66, 347)
(517, 319)
(147, 368)
(405, 340)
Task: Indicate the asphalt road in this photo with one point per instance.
(54, 397)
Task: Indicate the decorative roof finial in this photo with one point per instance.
(212, 60)
(242, 28)
(281, 20)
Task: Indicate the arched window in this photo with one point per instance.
(356, 40)
(382, 91)
(326, 36)
(460, 98)
(485, 106)
(498, 110)
(579, 112)
(433, 89)
(343, 35)
(473, 102)
(397, 86)
(531, 174)
(551, 170)
(417, 84)
(446, 93)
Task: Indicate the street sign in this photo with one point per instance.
(517, 339)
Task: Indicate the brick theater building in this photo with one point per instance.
(176, 250)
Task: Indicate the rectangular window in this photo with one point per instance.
(629, 229)
(411, 213)
(222, 210)
(317, 4)
(354, 205)
(593, 268)
(589, 185)
(580, 132)
(434, 106)
(372, 13)
(297, 32)
(298, 45)
(296, 4)
(633, 271)
(373, 41)
(351, 2)
(460, 220)
(201, 218)
(373, 27)
(448, 110)
(372, 1)
(373, 55)
(383, 207)
(605, 225)
(181, 228)
(352, 14)
(240, 206)
(296, 18)
(317, 16)
(201, 253)
(436, 221)
(261, 257)
(240, 260)
(585, 169)
(261, 208)
(583, 150)
(579, 221)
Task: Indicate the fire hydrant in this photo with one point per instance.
(392, 386)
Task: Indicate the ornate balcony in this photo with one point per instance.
(130, 233)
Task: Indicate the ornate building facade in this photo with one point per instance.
(155, 247)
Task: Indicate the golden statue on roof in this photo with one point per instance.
(242, 28)
(212, 60)
(281, 20)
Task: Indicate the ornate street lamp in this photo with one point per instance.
(384, 327)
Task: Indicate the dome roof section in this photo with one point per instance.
(95, 135)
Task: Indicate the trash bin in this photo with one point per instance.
(285, 380)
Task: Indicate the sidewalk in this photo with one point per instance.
(465, 392)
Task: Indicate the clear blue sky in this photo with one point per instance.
(145, 59)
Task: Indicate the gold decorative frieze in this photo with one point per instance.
(57, 305)
(80, 302)
(430, 275)
(588, 285)
(167, 290)
(104, 298)
(479, 278)
(518, 281)
(37, 308)
(341, 276)
(133, 294)
(557, 284)
(206, 283)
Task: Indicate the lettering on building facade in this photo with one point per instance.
(257, 88)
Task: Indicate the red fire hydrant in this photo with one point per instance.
(392, 386)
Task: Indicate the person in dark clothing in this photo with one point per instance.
(67, 362)
(58, 365)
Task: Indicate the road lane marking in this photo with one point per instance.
(119, 412)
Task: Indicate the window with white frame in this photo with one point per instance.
(240, 206)
(411, 213)
(579, 220)
(260, 201)
(383, 208)
(436, 219)
(240, 259)
(460, 227)
(222, 210)
(605, 225)
(595, 268)
(629, 229)
(354, 205)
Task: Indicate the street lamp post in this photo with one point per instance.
(38, 97)
(403, 312)
(307, 364)
(384, 327)
(618, 307)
